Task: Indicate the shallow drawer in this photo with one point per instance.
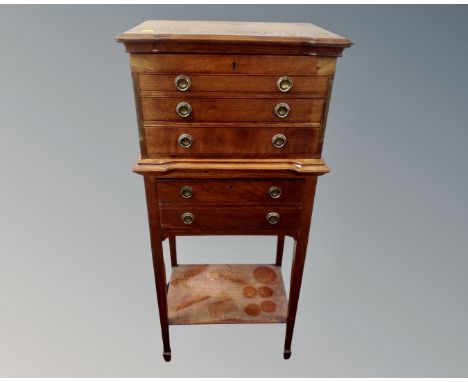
(304, 110)
(232, 64)
(273, 217)
(232, 191)
(233, 83)
(230, 141)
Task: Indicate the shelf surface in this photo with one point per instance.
(226, 293)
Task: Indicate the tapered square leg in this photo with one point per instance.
(173, 250)
(300, 248)
(300, 251)
(279, 251)
(158, 262)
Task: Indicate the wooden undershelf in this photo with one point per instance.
(226, 293)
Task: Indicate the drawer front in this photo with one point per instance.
(302, 110)
(229, 217)
(230, 141)
(232, 191)
(233, 83)
(232, 64)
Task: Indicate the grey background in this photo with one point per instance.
(385, 287)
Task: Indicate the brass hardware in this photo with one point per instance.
(279, 140)
(186, 192)
(183, 83)
(188, 218)
(274, 192)
(282, 110)
(185, 141)
(272, 218)
(284, 84)
(184, 109)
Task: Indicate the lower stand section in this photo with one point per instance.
(210, 294)
(226, 293)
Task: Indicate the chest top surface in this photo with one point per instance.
(228, 31)
(166, 35)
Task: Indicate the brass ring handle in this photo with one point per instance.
(184, 109)
(182, 82)
(272, 218)
(274, 192)
(284, 84)
(185, 141)
(282, 110)
(187, 217)
(186, 192)
(279, 140)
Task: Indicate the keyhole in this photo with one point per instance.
(234, 65)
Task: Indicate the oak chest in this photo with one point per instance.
(231, 119)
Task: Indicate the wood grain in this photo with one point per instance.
(232, 64)
(225, 31)
(231, 110)
(230, 191)
(317, 85)
(159, 36)
(231, 141)
(238, 125)
(230, 168)
(221, 294)
(227, 216)
(299, 256)
(159, 267)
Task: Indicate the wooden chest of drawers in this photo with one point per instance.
(231, 120)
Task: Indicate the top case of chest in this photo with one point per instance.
(231, 89)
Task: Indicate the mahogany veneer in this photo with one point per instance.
(231, 119)
(231, 141)
(233, 109)
(235, 191)
(149, 84)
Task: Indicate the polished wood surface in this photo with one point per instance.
(230, 168)
(238, 83)
(223, 31)
(299, 256)
(231, 64)
(231, 191)
(217, 171)
(231, 109)
(227, 216)
(235, 91)
(279, 250)
(163, 141)
(158, 261)
(173, 250)
(158, 36)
